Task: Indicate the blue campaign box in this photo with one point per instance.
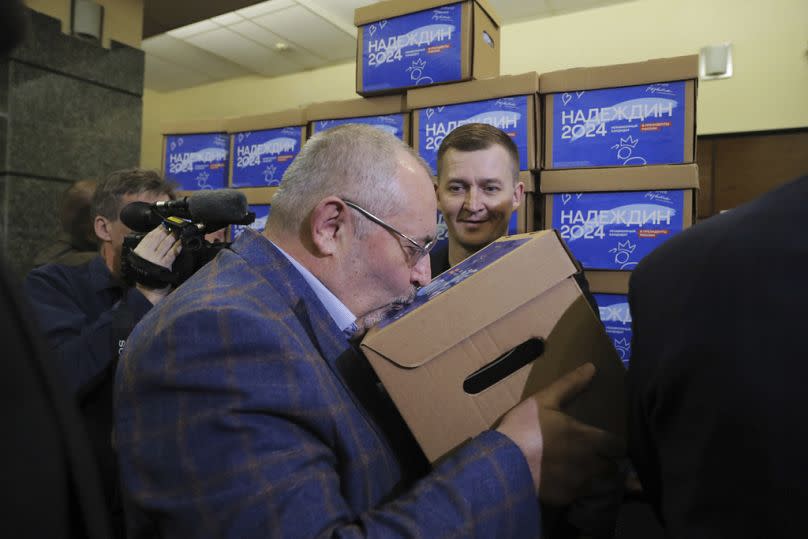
(196, 160)
(260, 158)
(395, 124)
(388, 113)
(616, 317)
(612, 218)
(509, 103)
(264, 146)
(629, 115)
(408, 43)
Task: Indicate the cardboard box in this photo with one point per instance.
(388, 113)
(616, 318)
(195, 154)
(264, 146)
(622, 115)
(510, 103)
(407, 43)
(612, 218)
(488, 333)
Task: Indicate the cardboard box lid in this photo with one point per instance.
(272, 120)
(549, 263)
(394, 8)
(648, 72)
(641, 178)
(193, 127)
(607, 281)
(354, 108)
(475, 90)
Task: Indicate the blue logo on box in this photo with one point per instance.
(614, 231)
(616, 318)
(509, 114)
(197, 161)
(416, 49)
(635, 125)
(261, 215)
(390, 123)
(262, 157)
(457, 274)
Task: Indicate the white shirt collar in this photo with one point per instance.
(341, 315)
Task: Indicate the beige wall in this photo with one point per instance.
(769, 89)
(123, 19)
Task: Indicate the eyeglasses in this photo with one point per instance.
(420, 250)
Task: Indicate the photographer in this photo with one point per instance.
(87, 312)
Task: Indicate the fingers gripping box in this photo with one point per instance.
(509, 103)
(264, 146)
(195, 154)
(622, 115)
(488, 333)
(612, 218)
(403, 44)
(388, 113)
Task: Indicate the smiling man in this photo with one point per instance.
(478, 189)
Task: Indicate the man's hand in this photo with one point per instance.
(563, 454)
(159, 247)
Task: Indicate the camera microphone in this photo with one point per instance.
(215, 208)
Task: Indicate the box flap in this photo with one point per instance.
(354, 108)
(395, 8)
(504, 275)
(529, 179)
(640, 178)
(272, 120)
(648, 72)
(608, 282)
(191, 127)
(475, 90)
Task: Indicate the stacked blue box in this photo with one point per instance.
(404, 44)
(388, 113)
(264, 146)
(195, 155)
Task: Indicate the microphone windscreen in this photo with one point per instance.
(220, 206)
(139, 217)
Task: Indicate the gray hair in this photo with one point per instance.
(354, 161)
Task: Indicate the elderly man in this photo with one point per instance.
(242, 410)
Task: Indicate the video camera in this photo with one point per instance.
(190, 218)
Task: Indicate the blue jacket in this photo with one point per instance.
(235, 419)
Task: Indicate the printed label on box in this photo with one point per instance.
(614, 231)
(391, 123)
(457, 274)
(197, 161)
(616, 318)
(416, 49)
(635, 125)
(262, 157)
(508, 114)
(261, 215)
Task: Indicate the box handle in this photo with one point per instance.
(503, 366)
(488, 39)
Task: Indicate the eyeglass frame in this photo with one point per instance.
(422, 250)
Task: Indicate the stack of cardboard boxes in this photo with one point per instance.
(619, 176)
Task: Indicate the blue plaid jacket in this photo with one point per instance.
(234, 419)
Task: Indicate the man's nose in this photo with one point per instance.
(473, 201)
(421, 274)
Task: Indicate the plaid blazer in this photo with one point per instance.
(234, 419)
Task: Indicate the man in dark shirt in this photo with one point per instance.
(86, 312)
(76, 242)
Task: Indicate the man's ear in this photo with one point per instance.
(103, 228)
(330, 223)
(518, 194)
